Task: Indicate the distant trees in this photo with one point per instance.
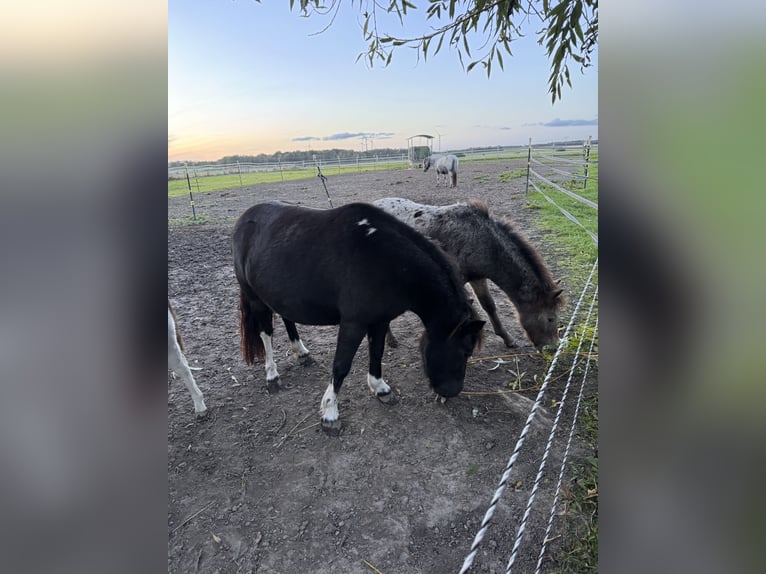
(325, 156)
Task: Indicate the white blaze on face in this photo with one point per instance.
(377, 386)
(271, 366)
(329, 405)
(363, 222)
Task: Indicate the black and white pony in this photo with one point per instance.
(178, 364)
(444, 165)
(357, 267)
(488, 248)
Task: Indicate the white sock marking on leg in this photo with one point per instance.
(329, 406)
(271, 366)
(178, 364)
(377, 386)
(299, 348)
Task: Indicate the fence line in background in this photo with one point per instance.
(358, 162)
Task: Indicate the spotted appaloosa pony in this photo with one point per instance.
(357, 267)
(177, 362)
(445, 165)
(488, 248)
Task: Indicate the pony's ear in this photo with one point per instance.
(472, 328)
(471, 334)
(557, 293)
(557, 281)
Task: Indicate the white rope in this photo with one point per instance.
(506, 474)
(568, 215)
(565, 160)
(560, 171)
(564, 459)
(571, 194)
(554, 428)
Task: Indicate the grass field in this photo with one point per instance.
(178, 187)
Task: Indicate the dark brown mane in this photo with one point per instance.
(479, 204)
(528, 251)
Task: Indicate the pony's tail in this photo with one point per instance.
(454, 179)
(250, 339)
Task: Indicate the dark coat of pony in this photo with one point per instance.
(485, 248)
(357, 267)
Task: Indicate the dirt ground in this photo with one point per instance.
(257, 486)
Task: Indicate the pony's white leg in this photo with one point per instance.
(329, 406)
(299, 348)
(177, 363)
(271, 366)
(377, 386)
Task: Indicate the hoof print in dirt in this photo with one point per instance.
(388, 398)
(306, 360)
(332, 428)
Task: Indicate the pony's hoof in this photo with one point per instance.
(273, 386)
(332, 428)
(388, 398)
(392, 342)
(202, 415)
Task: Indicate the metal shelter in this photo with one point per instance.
(419, 147)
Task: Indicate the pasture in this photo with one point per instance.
(257, 486)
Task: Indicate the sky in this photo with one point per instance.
(248, 78)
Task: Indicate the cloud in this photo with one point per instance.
(348, 135)
(305, 139)
(557, 123)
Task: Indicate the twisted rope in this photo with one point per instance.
(554, 428)
(568, 215)
(468, 562)
(571, 194)
(563, 462)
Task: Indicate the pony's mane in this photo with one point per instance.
(525, 248)
(479, 204)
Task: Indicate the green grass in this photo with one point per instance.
(575, 254)
(179, 187)
(579, 546)
(515, 174)
(575, 249)
(188, 220)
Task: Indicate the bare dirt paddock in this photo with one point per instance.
(258, 487)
